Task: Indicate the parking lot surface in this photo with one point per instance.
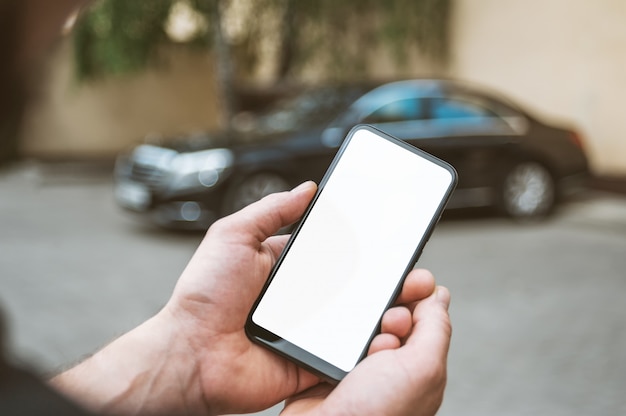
(537, 309)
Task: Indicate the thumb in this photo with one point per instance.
(430, 339)
(265, 217)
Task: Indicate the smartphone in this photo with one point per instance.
(346, 260)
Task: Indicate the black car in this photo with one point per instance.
(504, 156)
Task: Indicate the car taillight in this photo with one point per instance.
(576, 139)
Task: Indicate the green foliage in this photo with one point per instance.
(348, 29)
(121, 36)
(338, 34)
(423, 23)
(116, 37)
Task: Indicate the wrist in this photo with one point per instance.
(146, 371)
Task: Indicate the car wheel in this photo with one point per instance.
(253, 188)
(528, 191)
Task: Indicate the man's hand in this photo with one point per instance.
(193, 357)
(215, 294)
(403, 380)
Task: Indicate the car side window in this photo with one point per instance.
(454, 109)
(460, 116)
(400, 110)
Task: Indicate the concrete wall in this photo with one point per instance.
(565, 59)
(99, 119)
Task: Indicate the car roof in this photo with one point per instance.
(431, 88)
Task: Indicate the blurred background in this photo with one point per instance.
(133, 93)
(128, 70)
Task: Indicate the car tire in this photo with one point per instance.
(527, 191)
(253, 188)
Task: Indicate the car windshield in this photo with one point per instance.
(310, 108)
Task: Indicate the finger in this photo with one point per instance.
(265, 217)
(432, 329)
(443, 296)
(395, 325)
(384, 342)
(419, 284)
(276, 244)
(397, 321)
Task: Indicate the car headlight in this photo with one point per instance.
(200, 169)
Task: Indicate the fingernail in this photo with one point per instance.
(442, 295)
(302, 187)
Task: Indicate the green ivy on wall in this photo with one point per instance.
(115, 37)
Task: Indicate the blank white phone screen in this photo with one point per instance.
(342, 269)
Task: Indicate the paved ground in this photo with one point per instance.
(538, 310)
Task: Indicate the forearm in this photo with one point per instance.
(143, 372)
